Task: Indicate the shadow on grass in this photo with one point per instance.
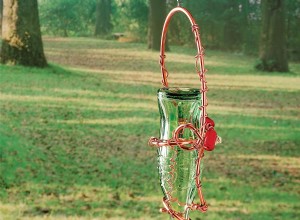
(50, 69)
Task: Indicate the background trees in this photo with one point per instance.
(157, 15)
(292, 29)
(103, 17)
(232, 26)
(273, 37)
(21, 36)
(131, 17)
(228, 25)
(1, 13)
(224, 24)
(68, 17)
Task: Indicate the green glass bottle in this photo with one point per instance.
(177, 167)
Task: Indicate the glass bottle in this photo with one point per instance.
(177, 167)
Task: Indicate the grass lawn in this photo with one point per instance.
(73, 136)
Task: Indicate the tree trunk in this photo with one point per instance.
(157, 15)
(149, 34)
(1, 15)
(273, 37)
(235, 22)
(103, 21)
(21, 35)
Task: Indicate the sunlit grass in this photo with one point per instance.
(239, 82)
(74, 139)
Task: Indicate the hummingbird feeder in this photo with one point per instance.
(186, 132)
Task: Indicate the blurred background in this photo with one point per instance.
(225, 25)
(78, 84)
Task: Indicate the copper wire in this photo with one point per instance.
(185, 144)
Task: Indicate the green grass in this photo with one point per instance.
(73, 136)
